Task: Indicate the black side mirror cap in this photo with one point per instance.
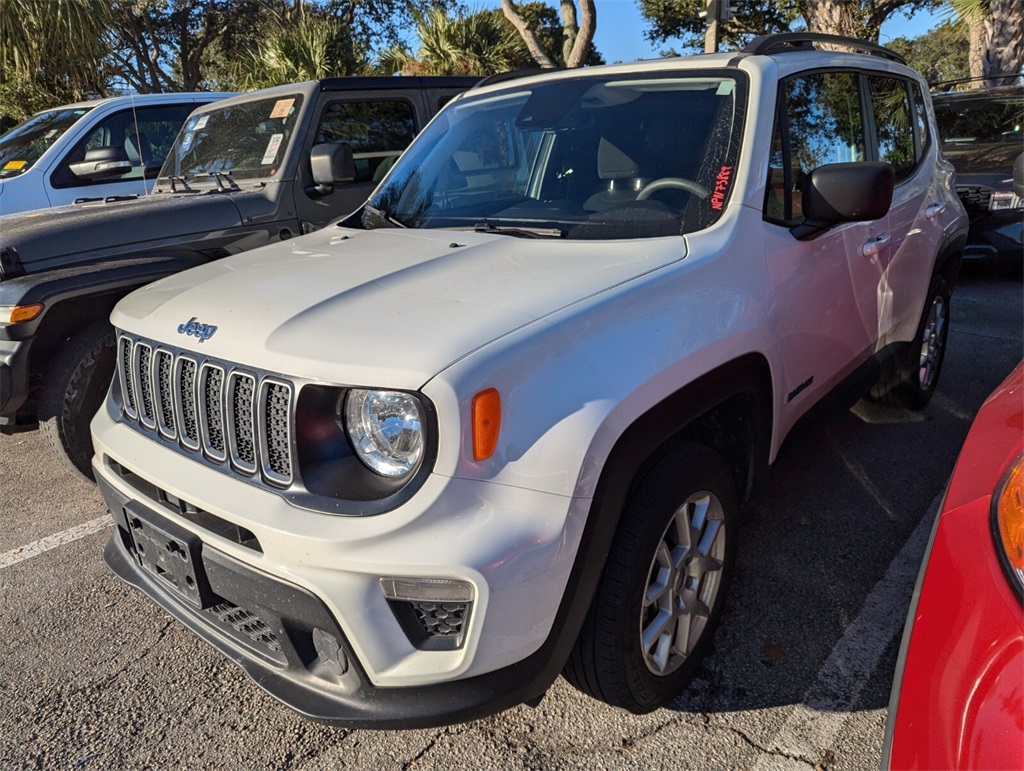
(102, 163)
(1018, 176)
(332, 164)
(845, 192)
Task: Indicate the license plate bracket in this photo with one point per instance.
(171, 554)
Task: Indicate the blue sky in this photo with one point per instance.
(620, 30)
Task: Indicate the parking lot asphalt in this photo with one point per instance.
(94, 676)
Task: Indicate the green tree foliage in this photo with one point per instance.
(313, 46)
(939, 54)
(479, 43)
(863, 19)
(680, 19)
(464, 44)
(50, 52)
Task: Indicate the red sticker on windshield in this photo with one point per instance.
(721, 187)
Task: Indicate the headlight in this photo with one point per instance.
(1004, 200)
(386, 430)
(1008, 523)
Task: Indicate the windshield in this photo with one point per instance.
(625, 156)
(980, 120)
(24, 144)
(244, 141)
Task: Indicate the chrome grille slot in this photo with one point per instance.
(211, 389)
(275, 431)
(165, 393)
(185, 402)
(242, 423)
(145, 380)
(124, 368)
(235, 420)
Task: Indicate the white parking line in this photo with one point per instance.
(813, 725)
(34, 549)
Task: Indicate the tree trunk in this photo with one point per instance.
(976, 38)
(528, 35)
(833, 17)
(576, 40)
(570, 28)
(1004, 44)
(585, 36)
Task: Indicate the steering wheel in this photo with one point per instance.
(667, 183)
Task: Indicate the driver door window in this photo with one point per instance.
(823, 124)
(145, 134)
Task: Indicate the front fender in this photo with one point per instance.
(109, 278)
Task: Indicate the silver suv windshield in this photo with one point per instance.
(247, 141)
(623, 156)
(24, 144)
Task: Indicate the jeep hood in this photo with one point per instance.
(386, 307)
(48, 238)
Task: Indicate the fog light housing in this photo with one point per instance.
(1005, 200)
(433, 612)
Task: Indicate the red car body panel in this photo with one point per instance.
(959, 703)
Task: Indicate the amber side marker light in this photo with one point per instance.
(1009, 522)
(486, 415)
(16, 314)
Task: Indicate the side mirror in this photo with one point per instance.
(332, 164)
(1018, 176)
(845, 192)
(102, 163)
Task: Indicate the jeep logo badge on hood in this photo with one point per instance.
(192, 327)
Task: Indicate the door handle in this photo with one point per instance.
(933, 211)
(874, 247)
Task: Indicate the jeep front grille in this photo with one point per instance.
(975, 197)
(237, 419)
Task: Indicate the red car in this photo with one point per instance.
(958, 694)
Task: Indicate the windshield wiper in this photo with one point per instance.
(174, 179)
(518, 230)
(381, 214)
(222, 177)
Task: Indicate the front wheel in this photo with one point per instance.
(911, 378)
(664, 586)
(75, 387)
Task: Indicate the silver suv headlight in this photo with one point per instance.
(385, 429)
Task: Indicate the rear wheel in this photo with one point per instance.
(909, 380)
(664, 585)
(75, 387)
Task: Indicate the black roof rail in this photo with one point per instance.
(501, 77)
(804, 41)
(948, 86)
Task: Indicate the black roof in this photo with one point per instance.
(396, 82)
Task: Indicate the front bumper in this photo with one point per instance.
(14, 385)
(303, 614)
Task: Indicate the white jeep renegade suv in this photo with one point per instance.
(497, 424)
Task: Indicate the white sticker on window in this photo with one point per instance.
(724, 88)
(201, 123)
(272, 147)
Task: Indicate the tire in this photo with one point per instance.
(656, 606)
(74, 390)
(910, 378)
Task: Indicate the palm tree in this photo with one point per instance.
(479, 43)
(307, 49)
(996, 37)
(52, 50)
